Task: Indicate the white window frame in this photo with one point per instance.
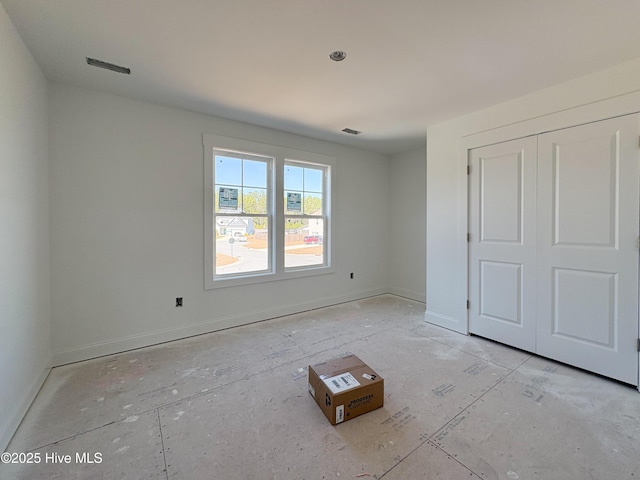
(275, 212)
(326, 175)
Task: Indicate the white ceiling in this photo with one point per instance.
(410, 63)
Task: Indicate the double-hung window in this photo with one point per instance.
(241, 211)
(267, 212)
(304, 214)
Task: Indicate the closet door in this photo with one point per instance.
(588, 194)
(502, 246)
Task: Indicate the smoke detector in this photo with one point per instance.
(338, 55)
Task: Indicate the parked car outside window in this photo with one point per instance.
(239, 237)
(312, 239)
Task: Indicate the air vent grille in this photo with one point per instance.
(108, 66)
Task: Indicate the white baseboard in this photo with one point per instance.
(132, 342)
(401, 292)
(445, 321)
(11, 421)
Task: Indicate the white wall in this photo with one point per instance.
(127, 226)
(407, 223)
(25, 351)
(604, 94)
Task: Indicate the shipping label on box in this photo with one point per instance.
(345, 387)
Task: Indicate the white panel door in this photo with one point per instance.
(588, 194)
(502, 246)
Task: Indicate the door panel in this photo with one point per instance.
(583, 306)
(587, 253)
(501, 291)
(502, 187)
(501, 198)
(585, 189)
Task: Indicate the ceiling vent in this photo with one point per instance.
(351, 131)
(108, 66)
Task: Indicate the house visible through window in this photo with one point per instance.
(267, 212)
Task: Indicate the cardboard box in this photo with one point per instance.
(345, 388)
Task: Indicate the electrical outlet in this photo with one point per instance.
(351, 275)
(178, 301)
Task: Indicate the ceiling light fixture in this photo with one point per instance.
(351, 131)
(108, 66)
(338, 55)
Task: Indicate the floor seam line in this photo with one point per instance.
(472, 354)
(500, 380)
(71, 437)
(164, 453)
(428, 441)
(438, 446)
(454, 458)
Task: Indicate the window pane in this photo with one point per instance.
(304, 242)
(293, 177)
(254, 200)
(242, 245)
(312, 204)
(255, 174)
(228, 170)
(313, 180)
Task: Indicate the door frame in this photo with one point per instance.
(585, 114)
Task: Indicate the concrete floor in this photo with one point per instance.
(234, 405)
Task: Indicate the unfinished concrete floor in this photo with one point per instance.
(234, 405)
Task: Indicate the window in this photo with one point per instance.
(304, 217)
(241, 212)
(267, 212)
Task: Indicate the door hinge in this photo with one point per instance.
(469, 238)
(469, 306)
(638, 345)
(468, 169)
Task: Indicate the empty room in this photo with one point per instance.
(319, 240)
